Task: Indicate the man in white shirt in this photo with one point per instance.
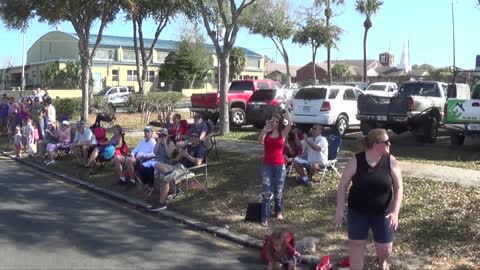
(317, 155)
(143, 151)
(83, 143)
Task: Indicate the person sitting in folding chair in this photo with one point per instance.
(63, 136)
(163, 153)
(83, 143)
(317, 155)
(293, 147)
(193, 155)
(199, 127)
(143, 150)
(99, 150)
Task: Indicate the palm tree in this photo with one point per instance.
(329, 14)
(367, 8)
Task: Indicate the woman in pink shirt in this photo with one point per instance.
(273, 172)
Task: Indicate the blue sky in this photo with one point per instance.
(425, 23)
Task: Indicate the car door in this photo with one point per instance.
(349, 105)
(112, 95)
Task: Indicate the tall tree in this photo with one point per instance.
(80, 13)
(367, 8)
(225, 14)
(331, 43)
(237, 62)
(271, 19)
(161, 12)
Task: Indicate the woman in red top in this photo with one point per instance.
(179, 129)
(273, 137)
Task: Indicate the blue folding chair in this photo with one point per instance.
(334, 142)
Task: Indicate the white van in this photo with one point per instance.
(117, 95)
(382, 89)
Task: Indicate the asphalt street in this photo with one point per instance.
(48, 224)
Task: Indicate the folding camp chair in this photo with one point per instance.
(334, 142)
(194, 175)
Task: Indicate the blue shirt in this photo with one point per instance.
(198, 151)
(198, 129)
(4, 109)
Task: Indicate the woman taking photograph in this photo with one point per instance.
(374, 199)
(273, 137)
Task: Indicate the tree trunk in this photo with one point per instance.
(86, 69)
(314, 66)
(224, 110)
(365, 55)
(329, 70)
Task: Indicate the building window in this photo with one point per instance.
(253, 63)
(151, 75)
(132, 75)
(115, 75)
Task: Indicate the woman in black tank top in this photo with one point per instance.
(374, 199)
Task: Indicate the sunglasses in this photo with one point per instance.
(387, 142)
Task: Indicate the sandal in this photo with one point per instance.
(279, 216)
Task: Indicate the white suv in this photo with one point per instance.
(382, 89)
(116, 96)
(328, 105)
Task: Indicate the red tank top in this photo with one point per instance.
(273, 148)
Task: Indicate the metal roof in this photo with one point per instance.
(164, 45)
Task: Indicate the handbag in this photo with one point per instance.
(254, 212)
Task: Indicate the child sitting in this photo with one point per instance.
(279, 250)
(17, 141)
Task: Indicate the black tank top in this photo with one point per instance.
(371, 191)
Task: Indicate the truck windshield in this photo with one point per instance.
(419, 89)
(263, 95)
(376, 87)
(311, 93)
(239, 86)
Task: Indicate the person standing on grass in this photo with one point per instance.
(273, 172)
(37, 109)
(51, 115)
(374, 198)
(3, 114)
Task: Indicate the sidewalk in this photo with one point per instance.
(461, 176)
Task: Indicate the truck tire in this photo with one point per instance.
(366, 126)
(457, 139)
(341, 125)
(237, 117)
(430, 129)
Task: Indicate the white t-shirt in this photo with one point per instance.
(321, 156)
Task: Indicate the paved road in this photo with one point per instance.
(46, 224)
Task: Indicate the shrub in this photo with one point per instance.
(68, 106)
(161, 103)
(97, 104)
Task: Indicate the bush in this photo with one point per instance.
(162, 103)
(97, 104)
(68, 106)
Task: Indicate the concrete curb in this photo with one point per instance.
(240, 239)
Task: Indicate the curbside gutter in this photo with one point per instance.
(221, 232)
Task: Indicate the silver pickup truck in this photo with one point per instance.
(418, 107)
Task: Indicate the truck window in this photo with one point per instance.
(376, 87)
(240, 86)
(349, 95)
(419, 89)
(263, 95)
(262, 85)
(311, 93)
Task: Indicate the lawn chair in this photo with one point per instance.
(334, 142)
(197, 175)
(210, 142)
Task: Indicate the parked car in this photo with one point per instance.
(239, 93)
(263, 103)
(117, 96)
(462, 113)
(359, 85)
(382, 89)
(418, 108)
(332, 105)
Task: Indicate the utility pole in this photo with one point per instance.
(23, 59)
(453, 40)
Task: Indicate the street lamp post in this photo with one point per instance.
(23, 59)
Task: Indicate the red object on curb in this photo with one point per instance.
(345, 262)
(324, 263)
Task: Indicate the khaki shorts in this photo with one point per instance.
(179, 169)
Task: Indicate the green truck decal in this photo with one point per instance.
(463, 111)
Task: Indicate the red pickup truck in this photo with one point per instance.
(239, 93)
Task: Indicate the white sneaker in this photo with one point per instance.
(50, 162)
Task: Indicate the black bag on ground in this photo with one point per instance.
(254, 212)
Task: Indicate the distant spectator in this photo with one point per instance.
(143, 150)
(45, 94)
(293, 147)
(179, 129)
(13, 115)
(116, 141)
(63, 136)
(28, 137)
(199, 127)
(83, 143)
(4, 114)
(17, 141)
(317, 155)
(37, 110)
(51, 114)
(192, 155)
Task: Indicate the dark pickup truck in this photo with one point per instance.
(418, 107)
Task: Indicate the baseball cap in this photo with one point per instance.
(163, 131)
(65, 122)
(148, 128)
(109, 152)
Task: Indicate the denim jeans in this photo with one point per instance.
(41, 128)
(273, 179)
